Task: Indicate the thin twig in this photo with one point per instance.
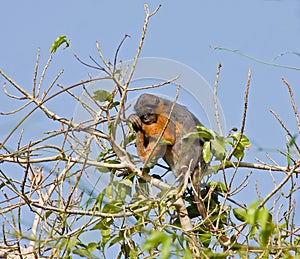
(216, 100)
(244, 115)
(86, 64)
(34, 94)
(138, 52)
(290, 172)
(43, 75)
(153, 86)
(51, 85)
(293, 104)
(117, 51)
(285, 128)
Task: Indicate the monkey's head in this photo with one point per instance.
(146, 108)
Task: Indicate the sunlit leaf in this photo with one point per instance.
(239, 151)
(218, 146)
(156, 238)
(205, 133)
(102, 96)
(153, 240)
(113, 105)
(106, 235)
(92, 246)
(252, 213)
(58, 42)
(164, 142)
(245, 142)
(112, 207)
(266, 224)
(205, 239)
(191, 136)
(82, 252)
(240, 214)
(103, 224)
(206, 151)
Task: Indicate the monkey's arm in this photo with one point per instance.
(148, 134)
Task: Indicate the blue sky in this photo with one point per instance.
(181, 31)
(184, 31)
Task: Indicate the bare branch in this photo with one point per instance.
(285, 128)
(216, 100)
(244, 116)
(279, 186)
(293, 103)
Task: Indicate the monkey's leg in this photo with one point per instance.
(153, 151)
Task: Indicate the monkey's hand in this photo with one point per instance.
(136, 122)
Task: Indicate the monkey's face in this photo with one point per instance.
(148, 118)
(146, 114)
(146, 108)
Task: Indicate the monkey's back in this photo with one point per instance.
(186, 153)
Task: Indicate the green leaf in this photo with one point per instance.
(191, 136)
(110, 126)
(99, 199)
(123, 189)
(240, 214)
(202, 132)
(103, 224)
(252, 213)
(102, 96)
(245, 142)
(113, 207)
(113, 105)
(292, 140)
(48, 213)
(266, 224)
(239, 152)
(117, 239)
(218, 186)
(106, 236)
(242, 144)
(155, 239)
(265, 218)
(206, 151)
(82, 252)
(92, 246)
(109, 191)
(205, 239)
(58, 42)
(205, 133)
(104, 169)
(164, 142)
(218, 146)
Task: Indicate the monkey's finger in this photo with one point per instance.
(136, 122)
